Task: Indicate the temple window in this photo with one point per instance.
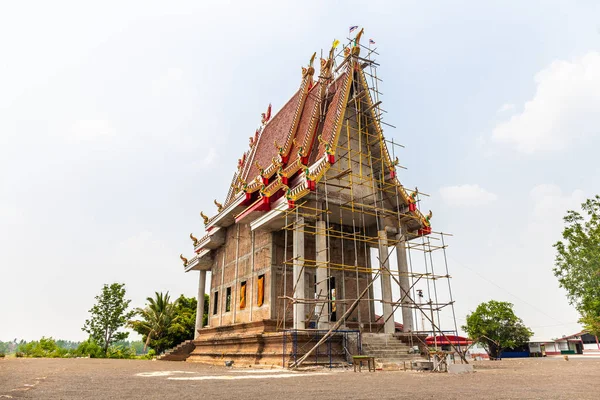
(228, 300)
(216, 303)
(260, 294)
(243, 295)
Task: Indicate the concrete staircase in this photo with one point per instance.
(388, 350)
(179, 352)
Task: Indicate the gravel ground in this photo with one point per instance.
(550, 378)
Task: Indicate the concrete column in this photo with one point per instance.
(407, 315)
(200, 307)
(322, 309)
(298, 273)
(386, 283)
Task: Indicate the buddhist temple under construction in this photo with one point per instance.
(314, 222)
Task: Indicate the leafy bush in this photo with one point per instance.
(2, 355)
(120, 352)
(45, 347)
(150, 355)
(89, 348)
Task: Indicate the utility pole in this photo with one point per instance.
(420, 296)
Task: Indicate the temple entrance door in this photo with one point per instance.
(331, 298)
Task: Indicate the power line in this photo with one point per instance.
(507, 291)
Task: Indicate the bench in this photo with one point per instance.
(358, 360)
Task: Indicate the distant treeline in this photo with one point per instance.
(48, 347)
(162, 323)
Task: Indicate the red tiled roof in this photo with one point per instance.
(331, 116)
(379, 321)
(276, 130)
(310, 106)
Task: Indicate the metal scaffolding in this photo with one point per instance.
(357, 199)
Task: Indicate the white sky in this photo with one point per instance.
(120, 121)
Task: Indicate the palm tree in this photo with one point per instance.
(158, 319)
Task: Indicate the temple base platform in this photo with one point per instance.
(261, 344)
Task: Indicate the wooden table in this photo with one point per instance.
(358, 360)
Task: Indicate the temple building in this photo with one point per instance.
(313, 213)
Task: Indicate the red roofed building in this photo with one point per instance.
(289, 246)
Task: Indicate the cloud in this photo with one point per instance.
(467, 195)
(506, 107)
(564, 108)
(548, 207)
(171, 78)
(549, 202)
(210, 157)
(92, 129)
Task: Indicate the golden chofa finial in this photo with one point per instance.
(310, 70)
(328, 62)
(356, 47)
(219, 206)
(204, 217)
(194, 239)
(428, 217)
(185, 260)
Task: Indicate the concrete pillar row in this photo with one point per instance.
(404, 279)
(386, 283)
(299, 275)
(200, 306)
(322, 309)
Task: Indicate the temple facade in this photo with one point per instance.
(313, 213)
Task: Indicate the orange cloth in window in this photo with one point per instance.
(243, 296)
(261, 291)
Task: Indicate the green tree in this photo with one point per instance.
(183, 328)
(496, 327)
(158, 322)
(578, 262)
(108, 315)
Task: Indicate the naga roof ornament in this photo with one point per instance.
(241, 161)
(194, 239)
(254, 139)
(185, 260)
(413, 195)
(219, 205)
(204, 217)
(328, 148)
(428, 218)
(265, 117)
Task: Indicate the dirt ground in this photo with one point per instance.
(549, 378)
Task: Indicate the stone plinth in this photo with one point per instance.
(257, 343)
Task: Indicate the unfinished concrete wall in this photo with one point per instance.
(243, 258)
(347, 281)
